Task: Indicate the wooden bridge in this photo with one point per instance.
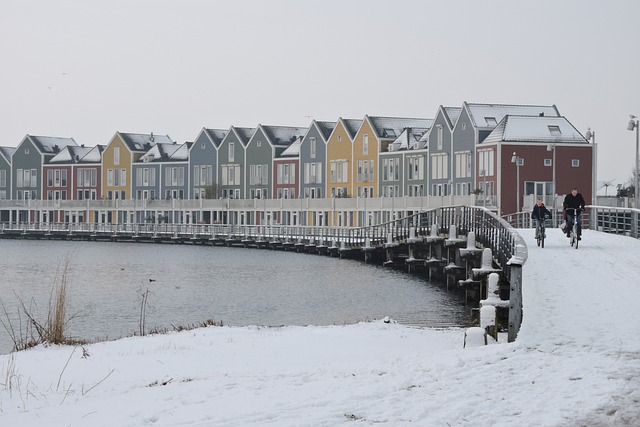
(458, 245)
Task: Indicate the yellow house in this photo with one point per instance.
(339, 162)
(373, 138)
(117, 160)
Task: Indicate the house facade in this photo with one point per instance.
(266, 144)
(313, 155)
(537, 157)
(339, 160)
(231, 162)
(6, 153)
(203, 162)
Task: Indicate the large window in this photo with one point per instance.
(230, 176)
(231, 151)
(3, 178)
(116, 156)
(463, 164)
(415, 167)
(202, 175)
(365, 170)
(439, 166)
(486, 162)
(313, 173)
(312, 148)
(365, 145)
(339, 171)
(391, 169)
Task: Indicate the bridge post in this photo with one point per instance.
(515, 292)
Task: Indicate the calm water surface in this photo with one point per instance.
(189, 284)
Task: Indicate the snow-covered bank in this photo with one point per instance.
(576, 362)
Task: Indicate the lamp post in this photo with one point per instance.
(591, 136)
(633, 125)
(552, 147)
(517, 160)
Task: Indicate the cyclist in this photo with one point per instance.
(573, 200)
(540, 213)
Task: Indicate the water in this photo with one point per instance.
(190, 284)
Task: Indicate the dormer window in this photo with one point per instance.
(491, 121)
(554, 130)
(388, 133)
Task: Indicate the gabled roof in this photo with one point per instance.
(282, 135)
(352, 126)
(50, 145)
(392, 127)
(143, 141)
(293, 150)
(325, 128)
(166, 153)
(451, 114)
(216, 135)
(78, 154)
(409, 139)
(7, 152)
(540, 129)
(487, 116)
(243, 134)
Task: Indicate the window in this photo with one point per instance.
(3, 178)
(116, 156)
(63, 178)
(56, 178)
(547, 162)
(440, 136)
(110, 177)
(339, 171)
(312, 148)
(554, 130)
(491, 121)
(415, 167)
(365, 145)
(259, 143)
(231, 151)
(50, 178)
(486, 162)
(339, 138)
(365, 170)
(34, 180)
(463, 164)
(203, 146)
(439, 166)
(123, 177)
(26, 150)
(575, 163)
(464, 126)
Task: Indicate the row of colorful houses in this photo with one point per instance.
(501, 152)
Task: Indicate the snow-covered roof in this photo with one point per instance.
(283, 135)
(326, 128)
(143, 141)
(7, 152)
(452, 114)
(49, 144)
(409, 139)
(294, 149)
(489, 115)
(166, 153)
(216, 135)
(244, 134)
(392, 127)
(351, 126)
(77, 154)
(541, 129)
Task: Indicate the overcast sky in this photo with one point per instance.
(82, 69)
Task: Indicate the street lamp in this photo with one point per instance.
(591, 136)
(552, 147)
(633, 124)
(517, 160)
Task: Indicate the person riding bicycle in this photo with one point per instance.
(573, 200)
(540, 213)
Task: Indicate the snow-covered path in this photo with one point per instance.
(576, 362)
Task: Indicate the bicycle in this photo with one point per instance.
(541, 227)
(574, 238)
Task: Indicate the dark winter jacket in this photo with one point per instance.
(574, 202)
(540, 212)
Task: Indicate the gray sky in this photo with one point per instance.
(86, 69)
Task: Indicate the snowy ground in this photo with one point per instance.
(576, 362)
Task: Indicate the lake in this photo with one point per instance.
(189, 284)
